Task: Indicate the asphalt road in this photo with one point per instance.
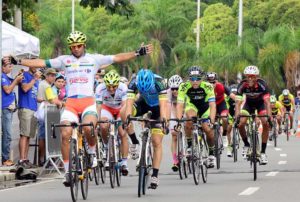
(277, 182)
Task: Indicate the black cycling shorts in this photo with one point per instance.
(250, 107)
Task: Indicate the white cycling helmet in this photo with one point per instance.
(251, 70)
(174, 81)
(285, 92)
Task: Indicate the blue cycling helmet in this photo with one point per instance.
(144, 80)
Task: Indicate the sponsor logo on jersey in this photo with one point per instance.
(78, 80)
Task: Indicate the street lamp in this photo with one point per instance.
(240, 30)
(73, 15)
(198, 26)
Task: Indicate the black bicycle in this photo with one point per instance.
(145, 160)
(199, 157)
(273, 133)
(252, 134)
(114, 153)
(219, 147)
(183, 165)
(79, 165)
(235, 142)
(286, 124)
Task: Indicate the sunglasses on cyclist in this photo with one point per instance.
(76, 46)
(112, 86)
(174, 89)
(195, 78)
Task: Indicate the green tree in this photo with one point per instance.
(121, 7)
(217, 23)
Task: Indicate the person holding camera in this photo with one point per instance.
(8, 108)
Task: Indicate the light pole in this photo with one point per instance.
(73, 15)
(198, 26)
(240, 30)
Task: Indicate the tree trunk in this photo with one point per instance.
(292, 70)
(18, 17)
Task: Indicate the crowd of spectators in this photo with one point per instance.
(35, 90)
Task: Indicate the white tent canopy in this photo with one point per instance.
(19, 43)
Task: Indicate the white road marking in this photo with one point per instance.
(272, 174)
(249, 191)
(278, 149)
(25, 186)
(283, 155)
(282, 162)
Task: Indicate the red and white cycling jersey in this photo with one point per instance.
(113, 101)
(80, 72)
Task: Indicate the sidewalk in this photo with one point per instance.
(5, 175)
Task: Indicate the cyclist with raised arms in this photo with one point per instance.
(111, 95)
(173, 83)
(153, 97)
(220, 92)
(199, 99)
(288, 101)
(257, 96)
(80, 69)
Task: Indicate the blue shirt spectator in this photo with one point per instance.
(7, 99)
(28, 99)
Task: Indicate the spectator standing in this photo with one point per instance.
(8, 108)
(59, 88)
(45, 96)
(28, 89)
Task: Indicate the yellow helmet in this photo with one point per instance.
(76, 37)
(112, 78)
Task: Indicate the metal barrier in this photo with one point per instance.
(53, 152)
(296, 117)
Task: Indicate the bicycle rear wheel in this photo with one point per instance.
(84, 181)
(195, 159)
(73, 169)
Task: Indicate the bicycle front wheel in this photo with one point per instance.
(84, 178)
(196, 159)
(181, 165)
(235, 144)
(217, 147)
(254, 156)
(204, 158)
(73, 169)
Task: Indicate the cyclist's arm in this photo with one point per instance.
(36, 63)
(213, 111)
(122, 57)
(129, 104)
(238, 104)
(268, 104)
(180, 101)
(163, 106)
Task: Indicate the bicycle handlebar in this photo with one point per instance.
(73, 125)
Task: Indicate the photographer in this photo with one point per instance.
(8, 108)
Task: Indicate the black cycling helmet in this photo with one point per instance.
(195, 71)
(211, 77)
